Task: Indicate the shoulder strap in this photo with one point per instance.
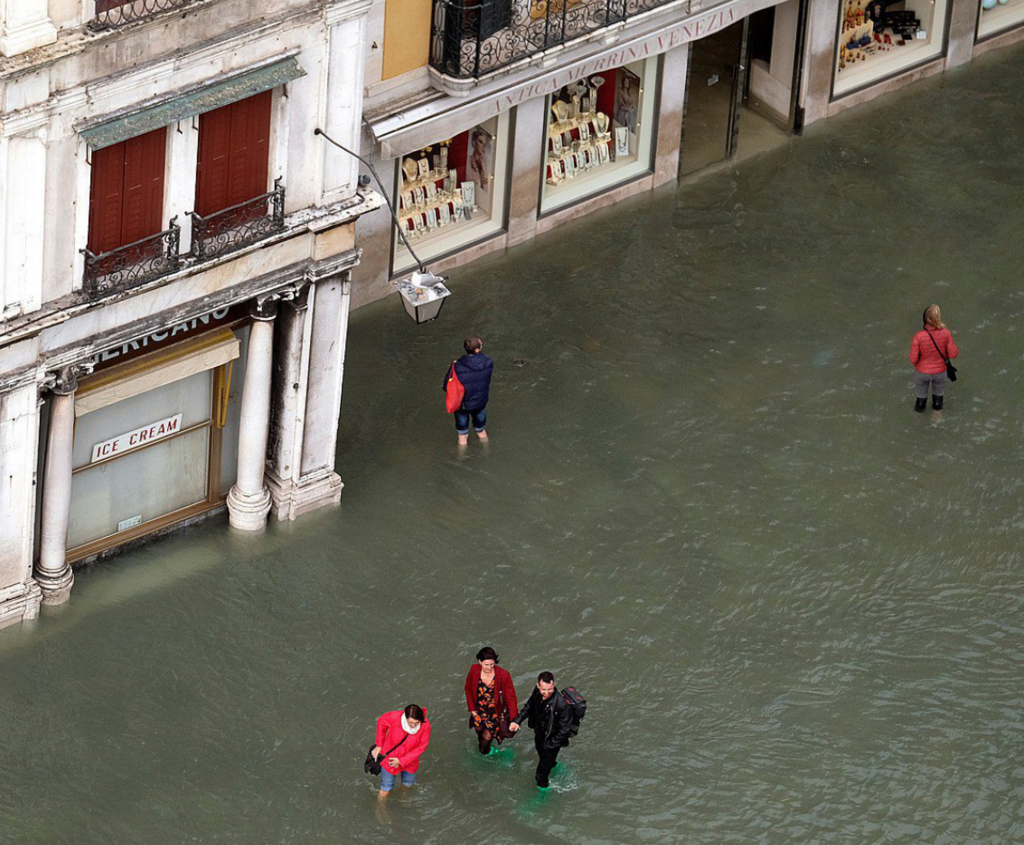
(403, 739)
(941, 354)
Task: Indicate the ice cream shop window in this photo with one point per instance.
(881, 38)
(452, 194)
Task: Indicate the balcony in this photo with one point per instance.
(473, 38)
(213, 236)
(115, 13)
(132, 265)
(238, 226)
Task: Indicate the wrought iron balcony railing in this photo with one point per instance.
(133, 264)
(237, 226)
(472, 38)
(111, 13)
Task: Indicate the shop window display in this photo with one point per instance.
(599, 134)
(452, 193)
(995, 16)
(880, 38)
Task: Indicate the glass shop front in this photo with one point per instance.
(451, 194)
(156, 432)
(997, 16)
(881, 38)
(600, 133)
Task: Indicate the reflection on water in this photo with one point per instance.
(794, 604)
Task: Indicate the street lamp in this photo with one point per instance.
(423, 293)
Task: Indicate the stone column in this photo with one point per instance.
(20, 596)
(249, 499)
(53, 572)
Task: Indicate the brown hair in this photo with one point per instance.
(472, 344)
(933, 317)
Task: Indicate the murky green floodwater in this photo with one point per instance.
(796, 606)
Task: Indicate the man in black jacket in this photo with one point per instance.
(474, 370)
(551, 720)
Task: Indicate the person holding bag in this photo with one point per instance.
(402, 737)
(490, 699)
(930, 353)
(467, 386)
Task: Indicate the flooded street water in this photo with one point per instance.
(795, 606)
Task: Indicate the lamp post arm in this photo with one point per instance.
(383, 191)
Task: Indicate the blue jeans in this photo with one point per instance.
(462, 420)
(387, 780)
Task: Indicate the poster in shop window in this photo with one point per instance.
(627, 99)
(480, 161)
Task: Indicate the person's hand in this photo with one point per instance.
(376, 752)
(472, 712)
(394, 762)
(513, 727)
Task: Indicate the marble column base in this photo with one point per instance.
(19, 602)
(293, 498)
(248, 511)
(56, 586)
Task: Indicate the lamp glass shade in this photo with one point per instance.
(423, 295)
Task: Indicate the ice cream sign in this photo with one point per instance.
(135, 439)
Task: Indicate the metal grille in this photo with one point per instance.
(112, 13)
(471, 38)
(237, 226)
(133, 264)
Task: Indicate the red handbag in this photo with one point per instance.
(454, 392)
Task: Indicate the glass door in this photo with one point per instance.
(714, 99)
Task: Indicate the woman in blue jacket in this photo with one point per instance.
(474, 370)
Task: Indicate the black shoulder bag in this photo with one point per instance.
(950, 369)
(372, 764)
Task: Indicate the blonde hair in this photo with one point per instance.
(933, 317)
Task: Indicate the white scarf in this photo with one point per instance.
(407, 729)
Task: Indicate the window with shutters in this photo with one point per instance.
(127, 192)
(234, 148)
(234, 207)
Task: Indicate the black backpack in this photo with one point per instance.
(577, 705)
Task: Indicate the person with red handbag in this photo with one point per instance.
(467, 385)
(490, 699)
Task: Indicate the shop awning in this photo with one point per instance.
(149, 372)
(190, 103)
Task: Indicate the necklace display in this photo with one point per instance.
(430, 197)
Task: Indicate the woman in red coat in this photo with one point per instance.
(928, 353)
(489, 694)
(402, 736)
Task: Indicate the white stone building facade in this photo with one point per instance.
(176, 249)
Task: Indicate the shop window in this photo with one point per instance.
(127, 191)
(452, 193)
(148, 448)
(996, 16)
(234, 154)
(881, 38)
(600, 133)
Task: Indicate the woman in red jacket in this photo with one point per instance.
(402, 736)
(928, 353)
(489, 694)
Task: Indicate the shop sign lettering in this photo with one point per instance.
(154, 339)
(134, 439)
(699, 27)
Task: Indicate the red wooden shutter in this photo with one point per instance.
(234, 149)
(144, 163)
(127, 191)
(106, 199)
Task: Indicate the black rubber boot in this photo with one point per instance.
(936, 403)
(920, 405)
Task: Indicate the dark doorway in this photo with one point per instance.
(742, 76)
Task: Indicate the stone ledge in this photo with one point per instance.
(19, 602)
